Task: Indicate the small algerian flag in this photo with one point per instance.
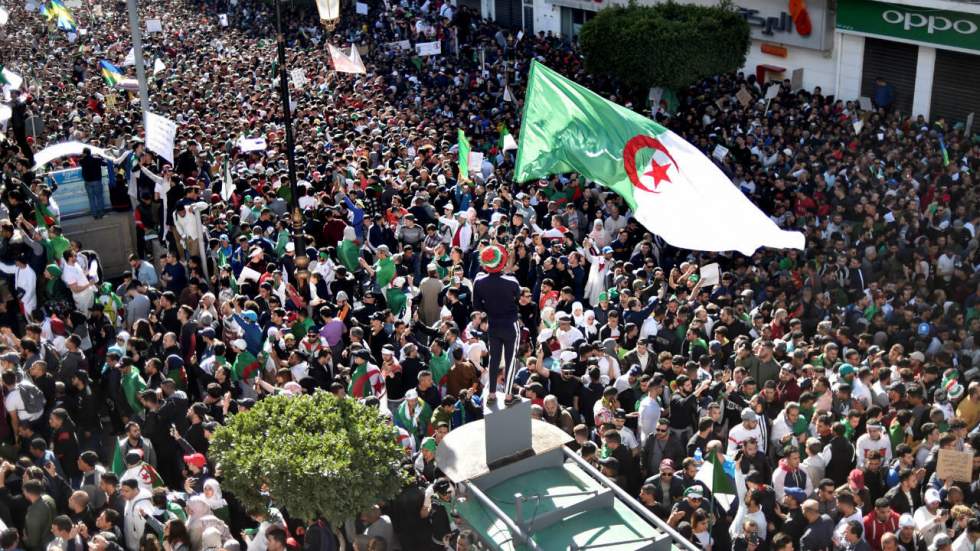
(507, 95)
(110, 73)
(670, 186)
(10, 78)
(463, 154)
(714, 474)
(507, 141)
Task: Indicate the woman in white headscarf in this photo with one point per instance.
(578, 314)
(590, 327)
(599, 235)
(212, 494)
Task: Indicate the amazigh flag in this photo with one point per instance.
(670, 186)
(718, 476)
(942, 147)
(507, 141)
(463, 154)
(110, 73)
(57, 10)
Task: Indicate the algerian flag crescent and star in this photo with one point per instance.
(671, 187)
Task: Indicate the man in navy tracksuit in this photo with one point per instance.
(496, 294)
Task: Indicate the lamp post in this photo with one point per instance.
(132, 7)
(297, 216)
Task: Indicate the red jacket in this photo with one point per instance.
(874, 529)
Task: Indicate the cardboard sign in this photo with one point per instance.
(361, 8)
(744, 97)
(428, 48)
(864, 102)
(956, 465)
(796, 79)
(154, 26)
(720, 152)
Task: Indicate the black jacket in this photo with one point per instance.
(91, 168)
(497, 295)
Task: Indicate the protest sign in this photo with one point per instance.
(428, 48)
(956, 465)
(160, 135)
(154, 26)
(361, 8)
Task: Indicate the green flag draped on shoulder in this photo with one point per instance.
(671, 187)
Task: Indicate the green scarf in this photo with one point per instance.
(55, 272)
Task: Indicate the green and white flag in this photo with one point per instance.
(227, 185)
(671, 187)
(463, 156)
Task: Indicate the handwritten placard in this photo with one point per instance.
(956, 465)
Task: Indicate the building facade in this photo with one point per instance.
(928, 50)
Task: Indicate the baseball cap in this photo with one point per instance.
(749, 415)
(694, 492)
(196, 459)
(905, 521)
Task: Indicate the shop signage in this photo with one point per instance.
(773, 22)
(911, 24)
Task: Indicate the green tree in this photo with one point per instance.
(670, 45)
(316, 455)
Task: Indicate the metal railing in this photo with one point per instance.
(515, 531)
(637, 507)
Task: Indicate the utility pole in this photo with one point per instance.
(137, 34)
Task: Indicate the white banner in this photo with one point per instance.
(223, 19)
(475, 162)
(329, 10)
(67, 149)
(4, 16)
(248, 145)
(361, 8)
(14, 81)
(158, 66)
(428, 48)
(161, 133)
(153, 26)
(5, 113)
(130, 58)
(346, 64)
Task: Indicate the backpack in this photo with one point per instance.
(33, 398)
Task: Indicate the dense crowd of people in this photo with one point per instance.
(826, 381)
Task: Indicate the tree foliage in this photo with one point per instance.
(317, 455)
(670, 45)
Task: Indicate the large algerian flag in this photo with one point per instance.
(718, 476)
(10, 78)
(671, 187)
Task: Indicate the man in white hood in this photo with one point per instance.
(138, 506)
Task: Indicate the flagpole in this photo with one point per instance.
(135, 31)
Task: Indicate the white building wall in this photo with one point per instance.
(547, 17)
(925, 68)
(850, 52)
(819, 68)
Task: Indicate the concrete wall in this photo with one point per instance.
(547, 18)
(112, 236)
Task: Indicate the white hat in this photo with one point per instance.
(905, 521)
(290, 246)
(239, 344)
(932, 496)
(545, 335)
(411, 394)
